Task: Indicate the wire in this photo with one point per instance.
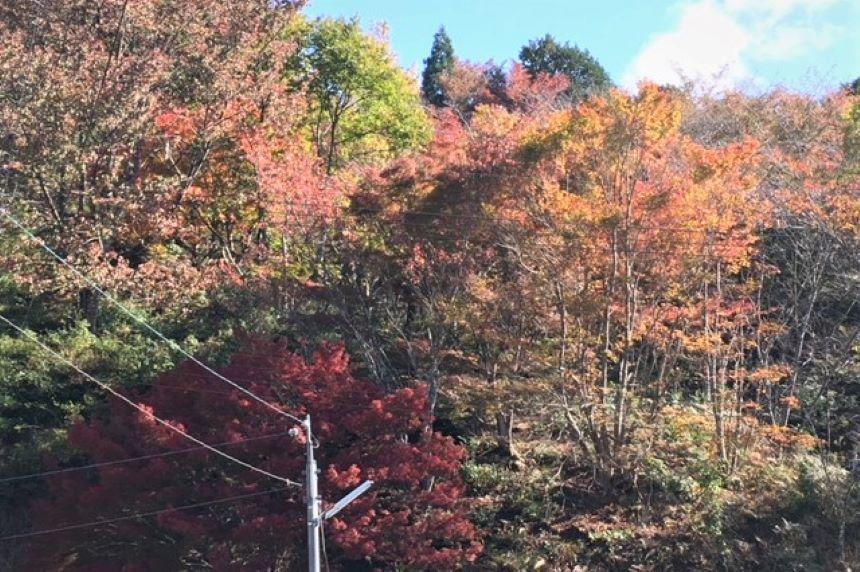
(134, 459)
(140, 515)
(142, 409)
(322, 543)
(140, 320)
(176, 347)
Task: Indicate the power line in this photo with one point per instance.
(134, 459)
(142, 409)
(654, 252)
(140, 515)
(140, 320)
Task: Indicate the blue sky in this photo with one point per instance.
(808, 45)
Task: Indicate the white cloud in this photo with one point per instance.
(777, 8)
(786, 42)
(707, 42)
(716, 40)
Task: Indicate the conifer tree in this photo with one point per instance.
(440, 61)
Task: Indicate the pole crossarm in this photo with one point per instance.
(345, 501)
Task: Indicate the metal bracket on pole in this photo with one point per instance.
(342, 503)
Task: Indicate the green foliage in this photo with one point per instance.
(34, 394)
(362, 106)
(852, 136)
(546, 56)
(831, 496)
(39, 394)
(440, 62)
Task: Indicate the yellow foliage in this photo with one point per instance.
(493, 121)
(770, 374)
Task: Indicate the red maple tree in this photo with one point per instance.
(413, 516)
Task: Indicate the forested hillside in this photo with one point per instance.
(560, 324)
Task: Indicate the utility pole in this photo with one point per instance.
(314, 502)
(314, 520)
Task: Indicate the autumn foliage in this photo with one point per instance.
(362, 432)
(634, 308)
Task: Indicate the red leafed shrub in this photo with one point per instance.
(363, 434)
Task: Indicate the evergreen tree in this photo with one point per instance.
(440, 61)
(497, 83)
(547, 56)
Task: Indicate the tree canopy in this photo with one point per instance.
(547, 56)
(362, 106)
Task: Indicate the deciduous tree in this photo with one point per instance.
(363, 434)
(362, 106)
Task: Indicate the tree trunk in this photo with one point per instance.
(505, 437)
(90, 305)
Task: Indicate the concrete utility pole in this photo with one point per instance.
(315, 519)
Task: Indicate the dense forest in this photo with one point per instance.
(560, 324)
